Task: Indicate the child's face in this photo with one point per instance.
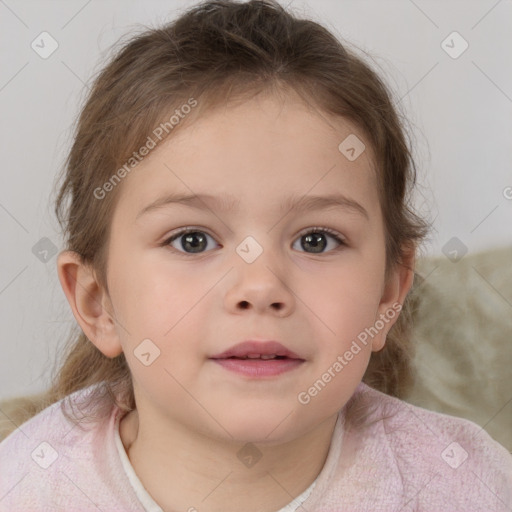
(193, 305)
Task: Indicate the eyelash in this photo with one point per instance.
(316, 229)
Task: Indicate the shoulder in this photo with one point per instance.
(52, 424)
(50, 461)
(438, 455)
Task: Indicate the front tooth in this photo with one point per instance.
(253, 356)
(268, 356)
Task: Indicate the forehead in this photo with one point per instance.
(261, 153)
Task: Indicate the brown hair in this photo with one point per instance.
(216, 50)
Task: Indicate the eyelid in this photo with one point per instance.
(183, 231)
(332, 232)
(186, 229)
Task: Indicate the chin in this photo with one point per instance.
(260, 427)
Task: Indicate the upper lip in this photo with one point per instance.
(256, 348)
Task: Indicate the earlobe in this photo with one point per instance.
(394, 293)
(88, 302)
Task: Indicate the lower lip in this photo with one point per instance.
(259, 367)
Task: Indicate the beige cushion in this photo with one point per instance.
(463, 339)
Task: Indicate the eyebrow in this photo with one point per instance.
(228, 203)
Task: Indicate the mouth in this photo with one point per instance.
(256, 367)
(267, 350)
(258, 359)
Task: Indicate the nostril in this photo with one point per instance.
(244, 304)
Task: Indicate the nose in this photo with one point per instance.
(260, 286)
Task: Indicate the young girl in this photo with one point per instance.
(240, 248)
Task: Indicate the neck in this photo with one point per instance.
(185, 470)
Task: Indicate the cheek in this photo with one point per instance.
(150, 298)
(349, 289)
(345, 309)
(344, 304)
(159, 312)
(167, 307)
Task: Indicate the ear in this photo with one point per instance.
(395, 290)
(90, 304)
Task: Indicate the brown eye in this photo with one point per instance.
(316, 240)
(190, 241)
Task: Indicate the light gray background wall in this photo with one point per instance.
(460, 109)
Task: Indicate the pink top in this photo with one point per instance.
(400, 458)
